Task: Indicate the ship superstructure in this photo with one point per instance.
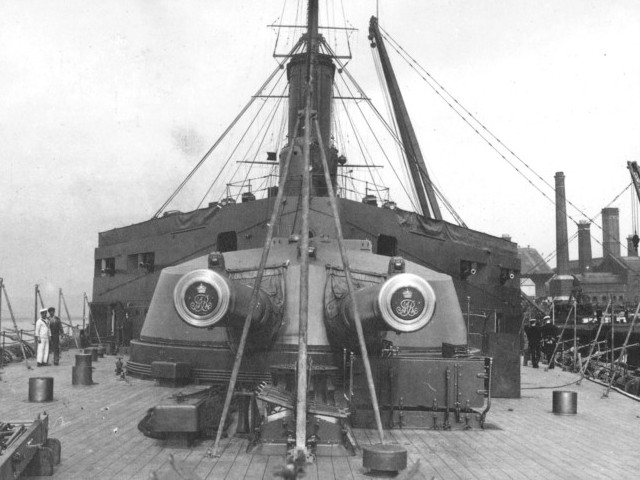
(484, 268)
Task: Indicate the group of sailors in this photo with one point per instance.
(541, 339)
(48, 332)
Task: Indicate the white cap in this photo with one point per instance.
(44, 310)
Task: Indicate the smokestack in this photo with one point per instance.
(562, 242)
(631, 249)
(610, 232)
(561, 285)
(584, 245)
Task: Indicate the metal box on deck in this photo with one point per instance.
(177, 373)
(183, 416)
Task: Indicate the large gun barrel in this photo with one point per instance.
(205, 297)
(404, 303)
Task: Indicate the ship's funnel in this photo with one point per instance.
(610, 232)
(322, 96)
(584, 245)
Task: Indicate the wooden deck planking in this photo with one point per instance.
(274, 464)
(524, 440)
(257, 468)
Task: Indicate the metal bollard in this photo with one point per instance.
(40, 389)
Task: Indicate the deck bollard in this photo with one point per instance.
(81, 375)
(565, 402)
(83, 359)
(93, 351)
(82, 372)
(40, 389)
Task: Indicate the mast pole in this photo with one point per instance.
(351, 288)
(35, 305)
(1, 280)
(301, 394)
(415, 160)
(275, 215)
(35, 317)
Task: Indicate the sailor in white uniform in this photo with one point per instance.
(43, 334)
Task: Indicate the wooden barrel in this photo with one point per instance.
(81, 375)
(565, 403)
(40, 389)
(101, 350)
(83, 359)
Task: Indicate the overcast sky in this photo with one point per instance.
(106, 105)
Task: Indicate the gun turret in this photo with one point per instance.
(205, 298)
(404, 303)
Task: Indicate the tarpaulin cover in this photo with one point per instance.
(158, 226)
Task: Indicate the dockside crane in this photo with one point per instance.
(634, 170)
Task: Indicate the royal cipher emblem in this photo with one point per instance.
(200, 298)
(407, 303)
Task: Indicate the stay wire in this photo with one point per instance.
(392, 123)
(395, 137)
(237, 145)
(414, 63)
(259, 147)
(363, 151)
(410, 197)
(227, 130)
(483, 127)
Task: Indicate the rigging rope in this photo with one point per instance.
(393, 123)
(227, 130)
(410, 197)
(422, 72)
(575, 235)
(258, 148)
(361, 146)
(394, 135)
(237, 145)
(634, 212)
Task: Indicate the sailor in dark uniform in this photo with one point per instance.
(534, 337)
(549, 340)
(55, 326)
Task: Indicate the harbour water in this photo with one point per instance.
(27, 323)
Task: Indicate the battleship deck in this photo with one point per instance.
(97, 426)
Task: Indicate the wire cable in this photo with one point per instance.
(227, 130)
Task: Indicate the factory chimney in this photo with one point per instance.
(610, 232)
(584, 245)
(562, 241)
(561, 284)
